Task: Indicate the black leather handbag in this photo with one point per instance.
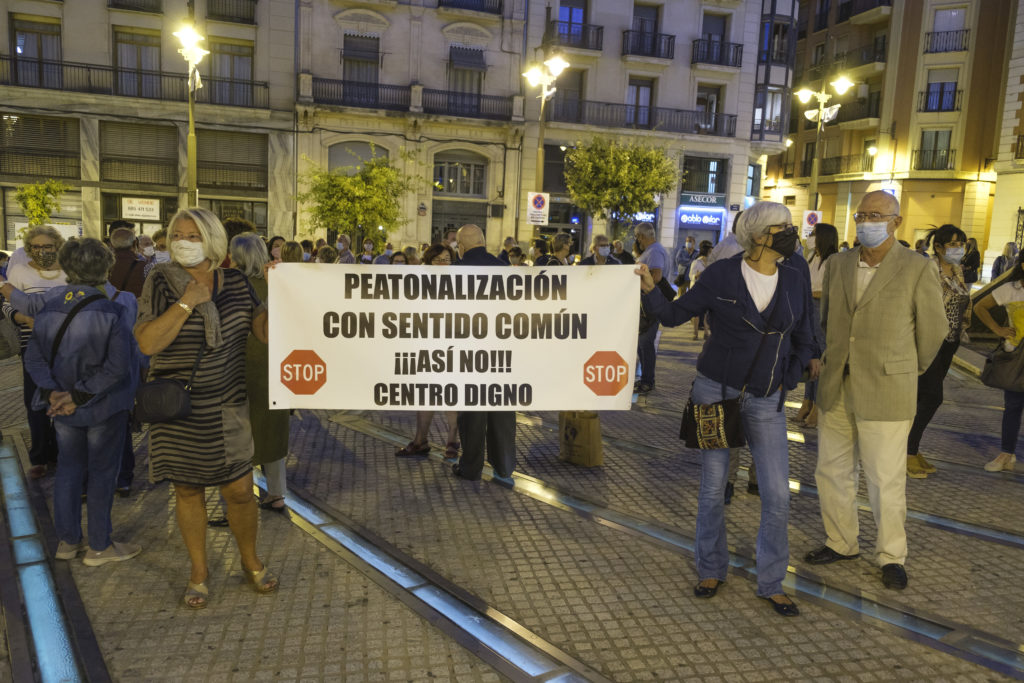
(164, 399)
(1004, 369)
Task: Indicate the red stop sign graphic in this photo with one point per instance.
(605, 373)
(303, 372)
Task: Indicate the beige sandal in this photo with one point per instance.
(261, 580)
(196, 595)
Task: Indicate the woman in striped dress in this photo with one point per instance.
(190, 307)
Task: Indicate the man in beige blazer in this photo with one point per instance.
(881, 306)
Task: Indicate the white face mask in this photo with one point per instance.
(872, 235)
(187, 253)
(276, 253)
(148, 251)
(954, 255)
(454, 244)
(306, 256)
(810, 243)
(162, 256)
(604, 251)
(368, 247)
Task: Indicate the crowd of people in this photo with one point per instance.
(870, 332)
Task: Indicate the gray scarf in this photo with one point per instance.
(178, 279)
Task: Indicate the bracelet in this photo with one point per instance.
(188, 309)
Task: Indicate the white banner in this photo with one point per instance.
(452, 338)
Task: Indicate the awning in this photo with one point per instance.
(467, 58)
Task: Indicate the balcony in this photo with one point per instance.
(488, 6)
(471, 105)
(851, 163)
(862, 62)
(644, 44)
(806, 168)
(801, 28)
(946, 41)
(575, 36)
(152, 85)
(359, 94)
(1018, 148)
(611, 115)
(771, 126)
(859, 115)
(155, 6)
(235, 11)
(943, 98)
(934, 159)
(864, 12)
(716, 52)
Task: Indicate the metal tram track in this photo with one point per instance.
(961, 640)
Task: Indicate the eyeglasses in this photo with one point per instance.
(874, 216)
(445, 259)
(42, 247)
(784, 227)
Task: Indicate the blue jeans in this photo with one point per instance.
(765, 427)
(95, 450)
(1013, 406)
(646, 353)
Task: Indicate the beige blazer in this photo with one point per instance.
(886, 339)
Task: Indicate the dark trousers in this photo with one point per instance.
(648, 356)
(126, 474)
(496, 431)
(43, 450)
(929, 393)
(1013, 406)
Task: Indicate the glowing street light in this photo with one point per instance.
(193, 54)
(544, 76)
(821, 116)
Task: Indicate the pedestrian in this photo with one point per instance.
(195, 316)
(884, 323)
(823, 243)
(694, 269)
(307, 250)
(972, 261)
(326, 254)
(728, 246)
(38, 273)
(436, 255)
(656, 259)
(385, 256)
(129, 271)
(1005, 260)
(561, 246)
(948, 243)
(398, 258)
(1009, 295)
(492, 432)
(621, 254)
(685, 255)
(763, 341)
(291, 252)
(274, 247)
(269, 427)
(516, 257)
(147, 251)
(506, 246)
(160, 253)
(345, 255)
(5, 258)
(539, 252)
(412, 256)
(82, 363)
(600, 252)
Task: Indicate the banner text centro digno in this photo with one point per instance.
(452, 338)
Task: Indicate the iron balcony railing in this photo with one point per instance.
(612, 115)
(852, 8)
(237, 11)
(646, 44)
(1018, 149)
(489, 6)
(806, 168)
(716, 52)
(946, 41)
(580, 36)
(945, 97)
(467, 104)
(934, 159)
(359, 94)
(105, 80)
(854, 111)
(768, 126)
(138, 5)
(850, 163)
(866, 54)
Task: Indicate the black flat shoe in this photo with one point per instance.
(825, 555)
(894, 576)
(458, 473)
(707, 591)
(785, 609)
(271, 504)
(730, 489)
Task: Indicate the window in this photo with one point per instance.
(768, 108)
(232, 159)
(460, 174)
(351, 155)
(774, 43)
(573, 12)
(713, 27)
(254, 212)
(466, 69)
(39, 146)
(37, 51)
(361, 59)
(568, 100)
(808, 159)
(137, 61)
(821, 14)
(230, 72)
(819, 54)
(645, 18)
(554, 169)
(949, 19)
(941, 92)
(753, 180)
(138, 153)
(708, 97)
(934, 154)
(638, 101)
(705, 175)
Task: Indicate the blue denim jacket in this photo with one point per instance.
(95, 361)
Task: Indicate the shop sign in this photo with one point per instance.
(138, 208)
(701, 199)
(700, 217)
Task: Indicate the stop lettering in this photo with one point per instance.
(303, 372)
(605, 373)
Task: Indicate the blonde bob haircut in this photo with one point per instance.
(215, 238)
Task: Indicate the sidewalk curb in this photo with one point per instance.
(969, 361)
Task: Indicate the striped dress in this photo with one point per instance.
(213, 446)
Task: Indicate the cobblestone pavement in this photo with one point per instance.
(617, 601)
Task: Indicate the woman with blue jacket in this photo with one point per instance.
(760, 314)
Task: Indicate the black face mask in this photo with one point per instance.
(784, 243)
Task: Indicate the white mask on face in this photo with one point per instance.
(604, 251)
(454, 244)
(162, 256)
(148, 251)
(187, 253)
(810, 244)
(872, 235)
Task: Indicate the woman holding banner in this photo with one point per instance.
(194, 321)
(436, 255)
(763, 339)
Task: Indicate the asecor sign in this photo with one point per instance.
(303, 372)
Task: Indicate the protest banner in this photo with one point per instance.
(382, 337)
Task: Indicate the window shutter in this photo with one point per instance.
(39, 146)
(232, 159)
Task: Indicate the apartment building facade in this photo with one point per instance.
(437, 86)
(1007, 223)
(921, 120)
(94, 93)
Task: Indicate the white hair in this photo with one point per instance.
(249, 254)
(215, 238)
(756, 220)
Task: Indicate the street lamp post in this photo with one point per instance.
(193, 54)
(822, 116)
(545, 77)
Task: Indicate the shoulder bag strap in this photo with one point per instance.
(67, 321)
(195, 367)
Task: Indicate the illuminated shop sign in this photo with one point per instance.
(701, 217)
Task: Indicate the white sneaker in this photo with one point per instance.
(69, 551)
(116, 552)
(1003, 461)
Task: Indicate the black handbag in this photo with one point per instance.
(164, 399)
(1004, 369)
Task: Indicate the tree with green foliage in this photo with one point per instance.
(610, 179)
(39, 201)
(356, 200)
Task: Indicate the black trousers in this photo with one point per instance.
(493, 432)
(43, 450)
(929, 393)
